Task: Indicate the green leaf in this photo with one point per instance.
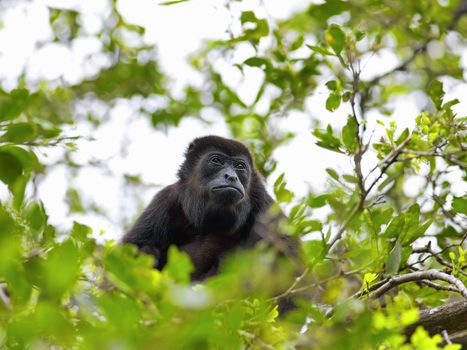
(326, 139)
(58, 271)
(261, 25)
(11, 168)
(403, 136)
(368, 279)
(27, 158)
(174, 2)
(351, 179)
(13, 104)
(332, 173)
(179, 266)
(80, 232)
(395, 227)
(436, 93)
(310, 226)
(16, 164)
(19, 132)
(36, 216)
(350, 135)
(394, 259)
(359, 35)
(417, 232)
(256, 62)
(346, 96)
(333, 101)
(296, 44)
(459, 204)
(321, 50)
(73, 199)
(335, 37)
(318, 201)
(282, 194)
(313, 251)
(379, 217)
(327, 9)
(332, 85)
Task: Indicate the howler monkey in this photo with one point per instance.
(214, 207)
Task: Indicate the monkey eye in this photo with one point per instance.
(240, 165)
(216, 160)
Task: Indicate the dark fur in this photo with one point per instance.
(183, 213)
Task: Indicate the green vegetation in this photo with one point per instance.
(378, 254)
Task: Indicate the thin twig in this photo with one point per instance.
(49, 143)
(431, 274)
(386, 163)
(369, 289)
(437, 255)
(438, 286)
(292, 287)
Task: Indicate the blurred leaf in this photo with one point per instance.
(56, 272)
(19, 132)
(73, 199)
(394, 259)
(10, 167)
(80, 232)
(282, 194)
(332, 173)
(335, 37)
(168, 3)
(256, 62)
(318, 201)
(13, 104)
(261, 25)
(179, 266)
(332, 85)
(327, 9)
(36, 216)
(350, 178)
(333, 102)
(459, 204)
(436, 93)
(350, 134)
(326, 139)
(320, 50)
(403, 136)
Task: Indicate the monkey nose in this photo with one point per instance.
(231, 177)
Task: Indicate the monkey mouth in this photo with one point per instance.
(227, 187)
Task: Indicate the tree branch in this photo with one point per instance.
(450, 317)
(430, 275)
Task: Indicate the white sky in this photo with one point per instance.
(177, 31)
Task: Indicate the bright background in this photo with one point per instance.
(177, 31)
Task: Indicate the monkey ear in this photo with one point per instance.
(192, 144)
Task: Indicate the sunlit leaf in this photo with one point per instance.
(335, 37)
(333, 102)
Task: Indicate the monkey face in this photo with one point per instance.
(227, 177)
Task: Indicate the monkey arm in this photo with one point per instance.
(150, 231)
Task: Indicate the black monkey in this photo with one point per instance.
(214, 207)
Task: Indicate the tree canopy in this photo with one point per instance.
(382, 267)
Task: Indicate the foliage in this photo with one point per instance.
(65, 290)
